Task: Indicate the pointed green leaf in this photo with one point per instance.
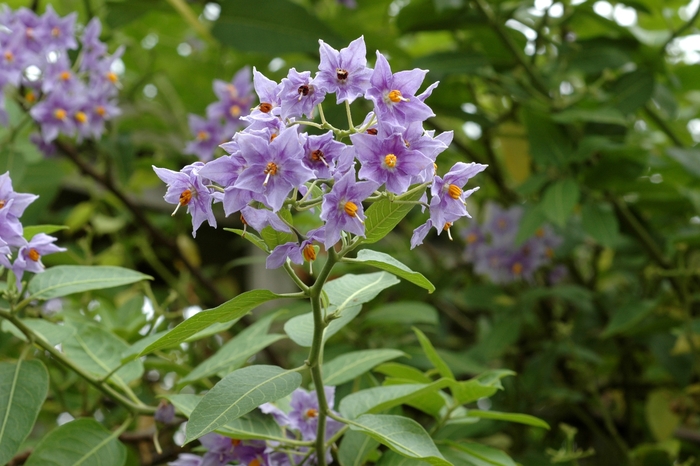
(83, 442)
(355, 447)
(599, 221)
(382, 216)
(389, 458)
(511, 417)
(533, 218)
(475, 454)
(23, 388)
(350, 365)
(230, 310)
(252, 237)
(403, 312)
(402, 371)
(63, 280)
(377, 399)
(632, 90)
(559, 200)
(48, 331)
(626, 317)
(30, 231)
(274, 238)
(403, 435)
(237, 394)
(433, 356)
(388, 263)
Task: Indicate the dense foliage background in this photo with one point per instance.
(585, 112)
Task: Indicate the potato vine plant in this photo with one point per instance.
(274, 175)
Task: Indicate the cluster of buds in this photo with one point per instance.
(492, 247)
(273, 165)
(16, 253)
(73, 99)
(299, 423)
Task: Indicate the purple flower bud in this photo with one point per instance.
(165, 412)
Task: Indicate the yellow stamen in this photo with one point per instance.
(113, 78)
(517, 268)
(472, 237)
(309, 253)
(59, 114)
(549, 252)
(446, 228)
(255, 462)
(265, 107)
(396, 97)
(81, 117)
(317, 156)
(390, 160)
(235, 442)
(502, 224)
(234, 111)
(100, 110)
(454, 191)
(9, 56)
(185, 197)
(65, 75)
(30, 97)
(311, 412)
(232, 91)
(34, 255)
(2, 203)
(202, 136)
(29, 33)
(270, 170)
(55, 32)
(540, 232)
(272, 138)
(350, 208)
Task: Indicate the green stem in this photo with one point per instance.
(106, 389)
(351, 127)
(290, 271)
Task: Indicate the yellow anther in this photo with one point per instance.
(350, 208)
(234, 111)
(265, 107)
(113, 78)
(55, 32)
(232, 91)
(309, 253)
(454, 191)
(185, 197)
(9, 56)
(517, 268)
(202, 136)
(65, 75)
(471, 238)
(540, 232)
(81, 117)
(2, 203)
(271, 169)
(30, 97)
(396, 97)
(59, 114)
(311, 412)
(100, 110)
(34, 255)
(390, 160)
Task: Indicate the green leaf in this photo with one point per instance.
(595, 115)
(99, 352)
(274, 238)
(404, 312)
(549, 144)
(382, 216)
(236, 351)
(377, 399)
(68, 279)
(445, 63)
(559, 200)
(433, 356)
(230, 310)
(254, 425)
(278, 27)
(350, 365)
(402, 371)
(532, 220)
(626, 317)
(23, 389)
(468, 391)
(48, 331)
(388, 263)
(475, 454)
(346, 295)
(599, 221)
(510, 417)
(134, 350)
(355, 447)
(237, 394)
(389, 458)
(30, 231)
(632, 90)
(688, 158)
(83, 442)
(403, 435)
(252, 237)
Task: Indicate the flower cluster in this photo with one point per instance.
(273, 165)
(299, 423)
(223, 116)
(27, 254)
(73, 99)
(491, 246)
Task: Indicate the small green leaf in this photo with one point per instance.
(388, 263)
(599, 221)
(350, 365)
(559, 200)
(237, 394)
(626, 317)
(230, 310)
(23, 389)
(468, 391)
(403, 435)
(632, 90)
(83, 442)
(274, 238)
(355, 447)
(549, 143)
(403, 312)
(688, 158)
(377, 399)
(48, 331)
(402, 371)
(433, 356)
(510, 417)
(252, 237)
(384, 215)
(532, 220)
(596, 115)
(475, 454)
(68, 279)
(30, 231)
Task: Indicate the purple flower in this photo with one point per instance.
(7, 193)
(187, 459)
(13, 59)
(261, 218)
(92, 48)
(394, 94)
(304, 413)
(4, 254)
(54, 114)
(60, 32)
(344, 72)
(165, 412)
(323, 153)
(186, 188)
(10, 227)
(299, 95)
(502, 224)
(268, 94)
(235, 99)
(209, 133)
(225, 171)
(342, 207)
(251, 452)
(295, 252)
(448, 199)
(220, 449)
(274, 168)
(388, 160)
(29, 256)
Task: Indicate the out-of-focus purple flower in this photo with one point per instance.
(186, 188)
(388, 160)
(29, 256)
(7, 194)
(274, 168)
(304, 413)
(30, 28)
(13, 59)
(10, 227)
(394, 94)
(51, 307)
(448, 199)
(60, 32)
(299, 95)
(344, 72)
(348, 3)
(5, 253)
(342, 207)
(252, 453)
(235, 99)
(261, 218)
(165, 412)
(54, 114)
(187, 459)
(295, 252)
(209, 134)
(502, 224)
(92, 47)
(46, 148)
(557, 275)
(220, 449)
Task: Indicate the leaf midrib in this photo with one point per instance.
(9, 400)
